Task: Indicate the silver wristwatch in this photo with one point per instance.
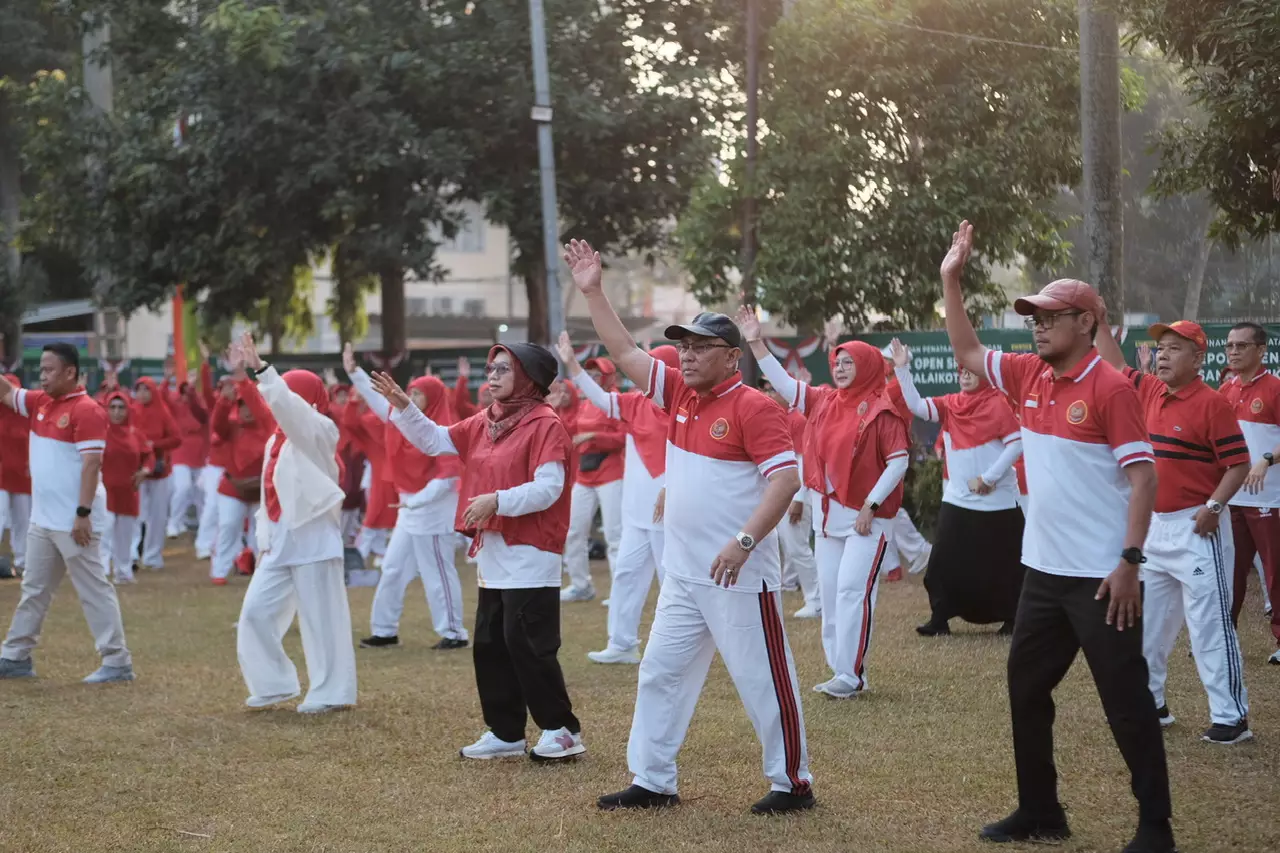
(746, 541)
(1213, 506)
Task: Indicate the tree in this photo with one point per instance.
(1232, 149)
(886, 124)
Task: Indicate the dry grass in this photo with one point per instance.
(917, 765)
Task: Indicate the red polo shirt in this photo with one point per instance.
(1195, 436)
(62, 430)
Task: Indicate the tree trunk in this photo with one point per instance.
(11, 297)
(1195, 286)
(1100, 134)
(534, 272)
(391, 278)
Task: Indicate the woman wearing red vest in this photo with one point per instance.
(423, 542)
(189, 458)
(855, 455)
(15, 478)
(152, 416)
(976, 572)
(126, 464)
(299, 532)
(352, 466)
(517, 467)
(244, 423)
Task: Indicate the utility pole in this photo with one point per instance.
(1100, 135)
(542, 114)
(749, 367)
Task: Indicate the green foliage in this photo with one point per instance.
(923, 496)
(880, 139)
(1228, 49)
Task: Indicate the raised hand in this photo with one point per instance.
(901, 355)
(427, 371)
(348, 358)
(803, 375)
(235, 357)
(387, 387)
(584, 263)
(958, 255)
(252, 360)
(464, 368)
(564, 349)
(748, 324)
(831, 333)
(330, 377)
(1144, 358)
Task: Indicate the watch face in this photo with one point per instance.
(747, 542)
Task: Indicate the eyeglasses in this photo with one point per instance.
(844, 363)
(1048, 321)
(494, 371)
(683, 347)
(1237, 346)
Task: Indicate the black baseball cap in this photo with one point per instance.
(708, 324)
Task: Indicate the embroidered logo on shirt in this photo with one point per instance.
(1256, 405)
(720, 429)
(862, 408)
(1077, 413)
(63, 421)
(1198, 572)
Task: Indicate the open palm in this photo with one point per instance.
(958, 254)
(584, 263)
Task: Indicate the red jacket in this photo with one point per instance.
(367, 433)
(128, 451)
(246, 442)
(192, 417)
(219, 447)
(15, 459)
(156, 422)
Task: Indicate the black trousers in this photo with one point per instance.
(514, 646)
(1057, 616)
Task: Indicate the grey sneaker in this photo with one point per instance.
(17, 668)
(109, 674)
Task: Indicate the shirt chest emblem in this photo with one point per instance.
(1177, 428)
(64, 421)
(1256, 405)
(719, 429)
(1077, 413)
(862, 408)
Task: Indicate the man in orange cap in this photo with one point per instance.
(1092, 482)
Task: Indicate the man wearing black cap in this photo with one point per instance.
(731, 475)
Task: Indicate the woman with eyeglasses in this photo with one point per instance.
(855, 456)
(517, 472)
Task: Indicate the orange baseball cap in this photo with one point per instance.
(1063, 295)
(1183, 329)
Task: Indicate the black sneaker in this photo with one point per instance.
(1006, 630)
(1153, 838)
(1227, 734)
(376, 642)
(933, 629)
(784, 802)
(1166, 716)
(636, 797)
(1021, 826)
(446, 643)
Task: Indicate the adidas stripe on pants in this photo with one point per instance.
(1188, 578)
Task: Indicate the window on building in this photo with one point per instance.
(442, 306)
(417, 306)
(473, 307)
(470, 236)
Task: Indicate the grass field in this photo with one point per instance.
(175, 762)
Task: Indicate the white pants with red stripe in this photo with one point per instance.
(430, 557)
(798, 563)
(16, 515)
(372, 541)
(207, 532)
(1189, 578)
(849, 569)
(582, 512)
(232, 534)
(693, 621)
(639, 555)
(153, 499)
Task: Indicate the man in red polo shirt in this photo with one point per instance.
(1092, 481)
(68, 513)
(1201, 460)
(731, 475)
(1254, 396)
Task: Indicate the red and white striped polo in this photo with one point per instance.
(1256, 405)
(62, 430)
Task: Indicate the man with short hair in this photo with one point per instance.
(1254, 396)
(1091, 474)
(68, 514)
(731, 475)
(1200, 463)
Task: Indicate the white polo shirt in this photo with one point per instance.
(721, 449)
(1079, 432)
(63, 429)
(1256, 405)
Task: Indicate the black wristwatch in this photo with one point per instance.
(1133, 556)
(1271, 460)
(873, 506)
(83, 511)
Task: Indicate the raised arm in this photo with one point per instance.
(634, 362)
(363, 384)
(463, 405)
(7, 397)
(1109, 347)
(969, 350)
(422, 432)
(910, 394)
(307, 429)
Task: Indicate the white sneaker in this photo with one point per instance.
(605, 603)
(573, 593)
(490, 746)
(204, 555)
(919, 564)
(809, 611)
(319, 708)
(268, 701)
(557, 746)
(614, 655)
(1275, 658)
(123, 578)
(838, 688)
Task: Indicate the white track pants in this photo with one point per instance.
(798, 563)
(317, 594)
(419, 555)
(350, 527)
(51, 554)
(232, 514)
(639, 554)
(692, 622)
(117, 546)
(207, 533)
(1188, 578)
(17, 517)
(371, 541)
(154, 515)
(906, 545)
(586, 499)
(184, 494)
(849, 569)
